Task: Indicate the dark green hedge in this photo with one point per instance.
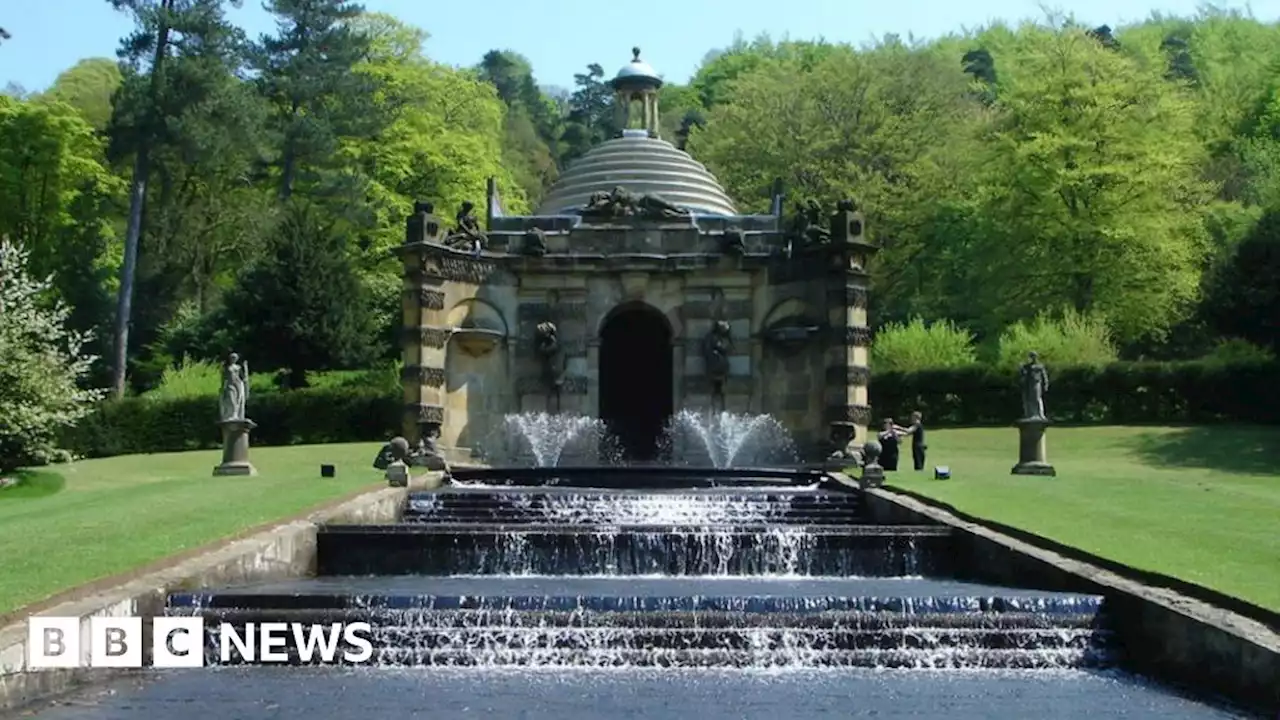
(1121, 393)
(314, 415)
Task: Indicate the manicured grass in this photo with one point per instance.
(68, 525)
(1201, 504)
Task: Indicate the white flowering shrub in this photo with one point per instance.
(41, 366)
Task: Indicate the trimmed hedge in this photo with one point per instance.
(1120, 393)
(313, 415)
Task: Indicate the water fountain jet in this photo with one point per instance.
(725, 439)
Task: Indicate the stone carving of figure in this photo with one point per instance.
(467, 235)
(534, 242)
(655, 206)
(815, 231)
(1035, 382)
(621, 203)
(716, 348)
(547, 345)
(235, 389)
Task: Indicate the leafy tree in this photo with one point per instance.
(88, 86)
(41, 366)
(58, 196)
(301, 306)
(1243, 300)
(1091, 189)
(444, 140)
(887, 127)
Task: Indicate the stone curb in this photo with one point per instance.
(284, 551)
(1163, 633)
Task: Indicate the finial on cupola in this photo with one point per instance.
(635, 54)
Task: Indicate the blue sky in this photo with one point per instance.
(561, 36)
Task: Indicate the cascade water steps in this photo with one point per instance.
(709, 577)
(562, 506)
(546, 549)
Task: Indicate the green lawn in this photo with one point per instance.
(1201, 504)
(71, 524)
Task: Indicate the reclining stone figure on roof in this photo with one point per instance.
(624, 204)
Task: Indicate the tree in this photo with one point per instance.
(307, 74)
(533, 125)
(590, 120)
(1091, 194)
(1243, 298)
(59, 196)
(41, 366)
(301, 306)
(444, 139)
(166, 62)
(88, 87)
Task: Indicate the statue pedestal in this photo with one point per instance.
(872, 476)
(1032, 457)
(397, 474)
(235, 448)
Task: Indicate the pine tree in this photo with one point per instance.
(302, 306)
(306, 74)
(41, 365)
(167, 63)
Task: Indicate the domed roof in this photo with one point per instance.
(636, 72)
(642, 165)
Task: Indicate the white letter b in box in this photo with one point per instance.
(178, 642)
(115, 642)
(53, 642)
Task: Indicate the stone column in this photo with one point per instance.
(848, 360)
(426, 333)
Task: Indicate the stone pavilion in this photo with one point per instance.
(635, 290)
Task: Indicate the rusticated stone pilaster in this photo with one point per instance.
(424, 413)
(848, 376)
(423, 375)
(857, 336)
(428, 298)
(858, 414)
(425, 336)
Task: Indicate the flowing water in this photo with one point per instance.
(575, 603)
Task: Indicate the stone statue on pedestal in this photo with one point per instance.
(1032, 448)
(1034, 380)
(231, 417)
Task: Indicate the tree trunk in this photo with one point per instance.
(128, 271)
(137, 198)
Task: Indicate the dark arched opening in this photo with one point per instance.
(636, 378)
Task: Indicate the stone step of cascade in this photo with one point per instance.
(709, 638)
(453, 549)
(512, 515)
(628, 507)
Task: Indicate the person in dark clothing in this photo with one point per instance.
(918, 446)
(889, 445)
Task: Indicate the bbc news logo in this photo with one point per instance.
(179, 642)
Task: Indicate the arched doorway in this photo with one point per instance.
(636, 378)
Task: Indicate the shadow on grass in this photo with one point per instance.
(33, 484)
(1235, 448)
